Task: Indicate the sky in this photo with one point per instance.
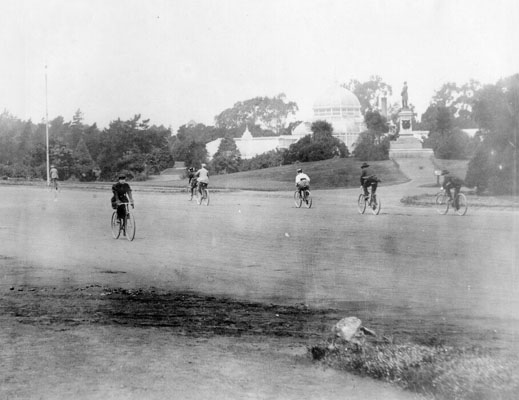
(173, 61)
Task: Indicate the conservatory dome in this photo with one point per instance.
(336, 100)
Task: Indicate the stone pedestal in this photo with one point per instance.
(407, 144)
(405, 120)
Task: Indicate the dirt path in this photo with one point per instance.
(86, 316)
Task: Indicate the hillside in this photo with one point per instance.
(328, 174)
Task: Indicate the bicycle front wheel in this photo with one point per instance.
(308, 199)
(462, 204)
(205, 197)
(129, 227)
(116, 227)
(297, 199)
(361, 203)
(441, 203)
(376, 205)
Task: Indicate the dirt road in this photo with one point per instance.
(405, 272)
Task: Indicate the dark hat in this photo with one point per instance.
(122, 176)
(299, 170)
(365, 165)
(445, 172)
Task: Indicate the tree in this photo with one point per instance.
(227, 158)
(321, 145)
(195, 155)
(447, 140)
(84, 166)
(459, 100)
(494, 165)
(268, 113)
(369, 92)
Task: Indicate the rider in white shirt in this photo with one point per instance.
(302, 180)
(202, 177)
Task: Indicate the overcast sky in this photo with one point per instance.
(177, 60)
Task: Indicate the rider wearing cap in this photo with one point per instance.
(367, 179)
(122, 194)
(451, 181)
(302, 180)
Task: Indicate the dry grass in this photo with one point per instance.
(441, 372)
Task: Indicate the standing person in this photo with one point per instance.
(192, 182)
(202, 177)
(451, 181)
(405, 96)
(54, 176)
(122, 193)
(302, 181)
(367, 179)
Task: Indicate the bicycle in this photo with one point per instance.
(442, 203)
(372, 201)
(202, 194)
(303, 197)
(126, 226)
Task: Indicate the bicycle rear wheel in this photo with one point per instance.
(361, 203)
(462, 204)
(376, 205)
(129, 227)
(441, 203)
(116, 227)
(297, 199)
(205, 197)
(308, 199)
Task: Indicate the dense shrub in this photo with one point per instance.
(371, 147)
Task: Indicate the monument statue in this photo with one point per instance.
(404, 96)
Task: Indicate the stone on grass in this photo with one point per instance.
(346, 328)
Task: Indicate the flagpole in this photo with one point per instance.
(47, 126)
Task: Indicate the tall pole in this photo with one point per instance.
(47, 126)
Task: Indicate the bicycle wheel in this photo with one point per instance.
(205, 197)
(297, 199)
(129, 227)
(375, 205)
(441, 203)
(462, 204)
(361, 203)
(116, 227)
(308, 199)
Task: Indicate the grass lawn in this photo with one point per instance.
(327, 174)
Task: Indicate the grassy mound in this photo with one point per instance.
(327, 174)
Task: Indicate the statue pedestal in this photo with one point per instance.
(407, 145)
(405, 121)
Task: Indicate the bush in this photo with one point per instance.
(371, 147)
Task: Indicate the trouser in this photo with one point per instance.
(456, 192)
(373, 184)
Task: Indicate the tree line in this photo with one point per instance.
(81, 151)
(137, 148)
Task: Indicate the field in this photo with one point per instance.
(225, 301)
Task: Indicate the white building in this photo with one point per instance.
(336, 105)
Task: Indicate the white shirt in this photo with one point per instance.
(202, 175)
(302, 176)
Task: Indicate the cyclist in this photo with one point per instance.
(451, 181)
(302, 181)
(54, 176)
(367, 179)
(192, 181)
(122, 194)
(202, 177)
